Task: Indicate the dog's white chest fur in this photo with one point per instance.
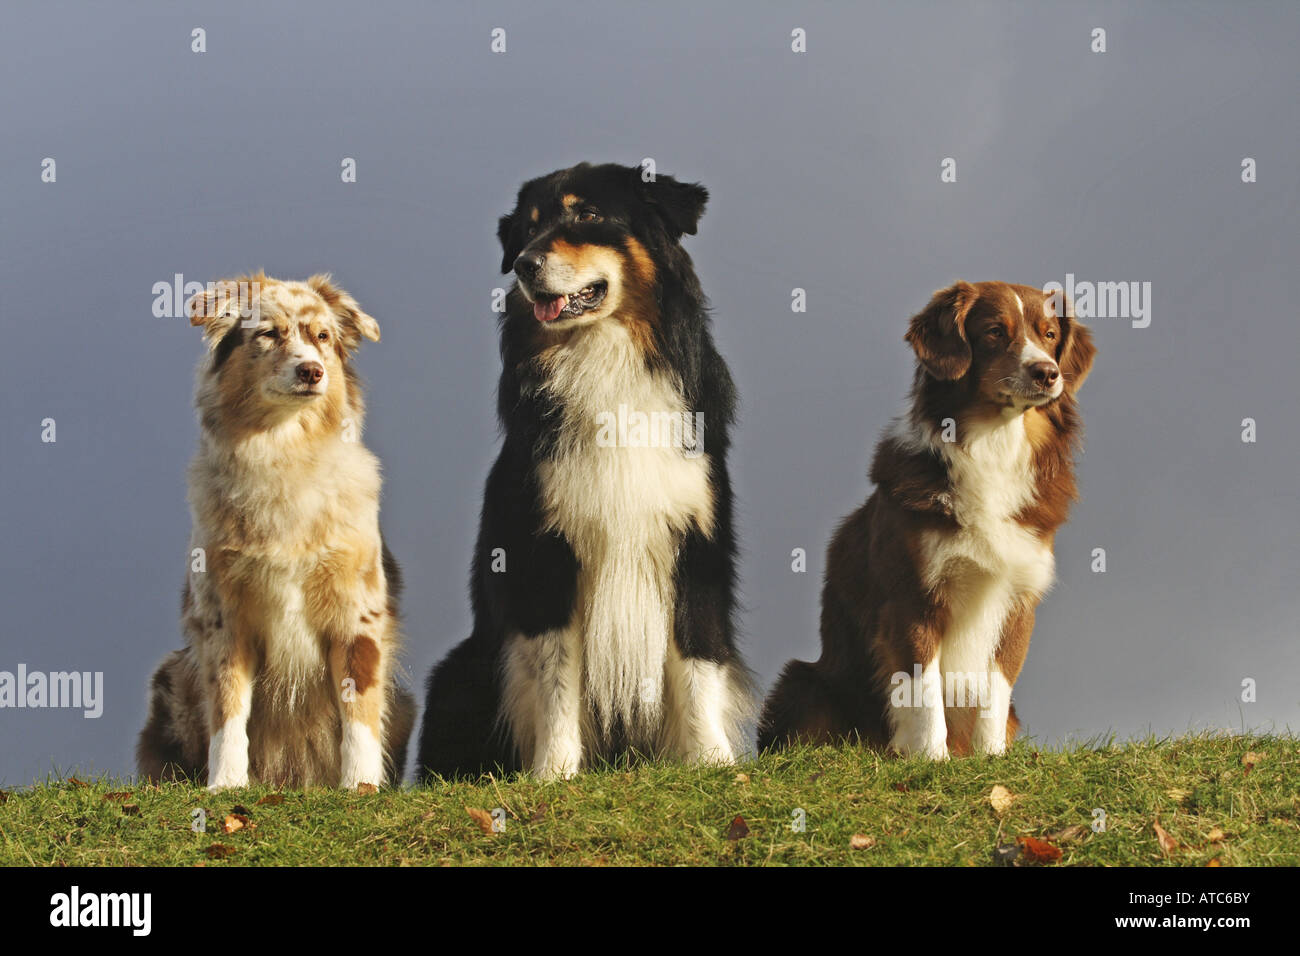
(282, 504)
(991, 561)
(623, 510)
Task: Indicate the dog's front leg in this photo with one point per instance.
(916, 712)
(701, 709)
(543, 700)
(227, 666)
(705, 704)
(359, 673)
(993, 729)
(558, 657)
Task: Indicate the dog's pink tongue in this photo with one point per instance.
(550, 311)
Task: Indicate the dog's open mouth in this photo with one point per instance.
(550, 308)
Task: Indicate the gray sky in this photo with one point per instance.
(824, 173)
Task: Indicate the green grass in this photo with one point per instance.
(916, 812)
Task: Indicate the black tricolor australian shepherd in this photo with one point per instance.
(603, 578)
(931, 586)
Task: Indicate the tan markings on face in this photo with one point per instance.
(642, 264)
(569, 200)
(535, 214)
(639, 314)
(586, 262)
(1047, 334)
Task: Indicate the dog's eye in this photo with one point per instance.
(1050, 336)
(271, 334)
(323, 336)
(994, 333)
(532, 231)
(589, 215)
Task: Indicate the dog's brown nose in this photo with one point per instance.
(1044, 373)
(311, 372)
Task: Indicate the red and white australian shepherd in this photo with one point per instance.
(931, 586)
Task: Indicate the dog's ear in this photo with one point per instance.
(217, 309)
(938, 332)
(354, 323)
(1076, 352)
(510, 246)
(680, 205)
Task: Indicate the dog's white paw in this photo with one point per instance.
(228, 781)
(361, 758)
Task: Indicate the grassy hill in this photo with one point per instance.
(1217, 800)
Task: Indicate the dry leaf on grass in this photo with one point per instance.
(1250, 760)
(367, 788)
(1038, 851)
(131, 809)
(1215, 862)
(236, 821)
(1178, 796)
(482, 818)
(860, 841)
(739, 829)
(1001, 798)
(77, 783)
(1167, 843)
(539, 814)
(219, 851)
(4, 796)
(1216, 835)
(117, 796)
(271, 800)
(742, 778)
(1070, 834)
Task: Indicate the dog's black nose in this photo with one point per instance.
(1044, 373)
(311, 372)
(529, 264)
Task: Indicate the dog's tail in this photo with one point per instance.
(174, 742)
(801, 709)
(399, 721)
(460, 735)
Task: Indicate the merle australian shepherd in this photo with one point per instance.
(931, 586)
(290, 606)
(603, 577)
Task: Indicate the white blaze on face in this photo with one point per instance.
(1031, 354)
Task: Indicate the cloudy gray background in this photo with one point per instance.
(824, 173)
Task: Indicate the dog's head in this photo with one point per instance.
(580, 241)
(277, 349)
(1004, 343)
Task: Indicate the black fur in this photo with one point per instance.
(461, 733)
